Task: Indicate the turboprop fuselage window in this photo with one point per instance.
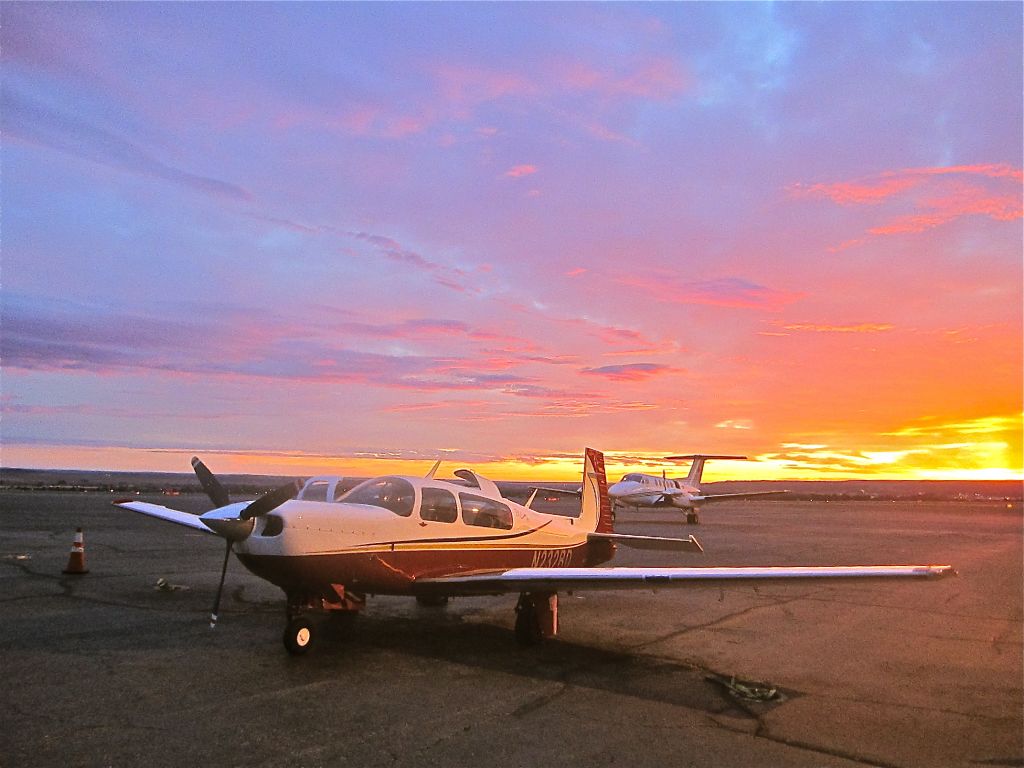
(479, 510)
(438, 505)
(392, 493)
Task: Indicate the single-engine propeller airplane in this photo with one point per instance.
(639, 490)
(434, 539)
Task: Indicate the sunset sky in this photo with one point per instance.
(353, 238)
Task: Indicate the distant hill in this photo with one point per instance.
(185, 482)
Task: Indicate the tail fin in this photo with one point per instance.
(596, 511)
(697, 468)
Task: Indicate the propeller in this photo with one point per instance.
(210, 484)
(234, 522)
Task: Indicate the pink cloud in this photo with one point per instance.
(938, 195)
(854, 328)
(468, 86)
(656, 78)
(962, 201)
(856, 193)
(733, 292)
(519, 171)
(631, 371)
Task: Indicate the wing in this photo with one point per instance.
(165, 513)
(578, 579)
(703, 498)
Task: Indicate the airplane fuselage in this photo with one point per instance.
(640, 490)
(417, 528)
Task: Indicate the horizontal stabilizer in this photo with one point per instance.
(563, 491)
(664, 543)
(691, 456)
(165, 513)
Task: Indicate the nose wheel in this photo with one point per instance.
(692, 518)
(298, 636)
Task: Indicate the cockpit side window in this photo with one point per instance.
(392, 493)
(315, 491)
(438, 505)
(479, 510)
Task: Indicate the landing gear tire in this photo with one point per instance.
(528, 630)
(692, 519)
(432, 601)
(298, 636)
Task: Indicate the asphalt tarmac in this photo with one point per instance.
(107, 669)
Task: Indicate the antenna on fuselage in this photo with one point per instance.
(433, 469)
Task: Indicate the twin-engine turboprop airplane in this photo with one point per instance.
(639, 490)
(433, 539)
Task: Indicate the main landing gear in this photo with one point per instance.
(691, 517)
(536, 617)
(301, 631)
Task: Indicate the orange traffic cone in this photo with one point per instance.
(76, 561)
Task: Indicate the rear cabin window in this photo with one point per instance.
(479, 510)
(438, 505)
(392, 493)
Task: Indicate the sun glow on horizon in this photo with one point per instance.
(963, 459)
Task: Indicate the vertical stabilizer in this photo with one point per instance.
(596, 512)
(697, 468)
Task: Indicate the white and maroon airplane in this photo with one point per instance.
(639, 490)
(434, 539)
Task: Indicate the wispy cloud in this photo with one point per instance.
(631, 371)
(734, 292)
(32, 121)
(59, 336)
(448, 276)
(983, 425)
(937, 196)
(851, 328)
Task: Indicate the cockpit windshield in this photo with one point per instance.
(392, 493)
(632, 477)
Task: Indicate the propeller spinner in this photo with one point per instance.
(235, 522)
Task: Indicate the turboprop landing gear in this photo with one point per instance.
(691, 518)
(536, 617)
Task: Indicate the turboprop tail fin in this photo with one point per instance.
(697, 468)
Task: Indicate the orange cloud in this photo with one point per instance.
(858, 328)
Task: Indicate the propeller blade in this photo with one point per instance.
(270, 501)
(210, 484)
(220, 586)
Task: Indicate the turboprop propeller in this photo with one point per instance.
(234, 521)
